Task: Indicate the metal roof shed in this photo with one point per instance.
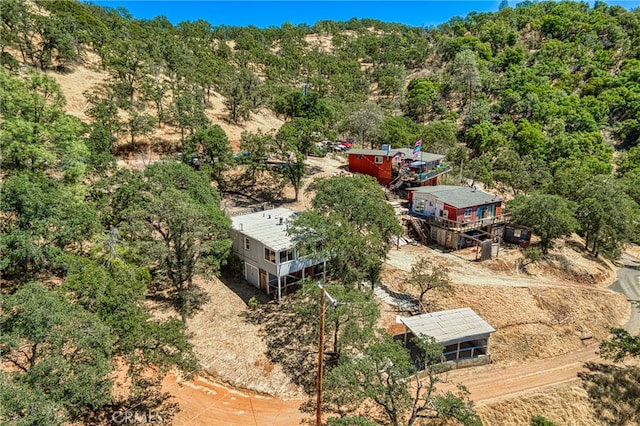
(461, 331)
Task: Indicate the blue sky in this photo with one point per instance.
(264, 13)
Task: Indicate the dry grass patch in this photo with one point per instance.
(232, 349)
(566, 404)
(536, 316)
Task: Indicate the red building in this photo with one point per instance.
(456, 215)
(397, 165)
(373, 162)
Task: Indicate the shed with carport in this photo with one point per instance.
(462, 332)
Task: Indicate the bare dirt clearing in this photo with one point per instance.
(204, 403)
(231, 349)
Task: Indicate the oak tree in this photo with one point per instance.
(351, 224)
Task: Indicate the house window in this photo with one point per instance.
(247, 246)
(286, 255)
(468, 212)
(419, 206)
(378, 159)
(269, 255)
(359, 157)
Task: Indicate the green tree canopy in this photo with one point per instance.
(43, 218)
(178, 226)
(598, 199)
(57, 350)
(36, 134)
(550, 216)
(421, 93)
(216, 154)
(427, 276)
(364, 122)
(352, 224)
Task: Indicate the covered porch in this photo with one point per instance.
(279, 286)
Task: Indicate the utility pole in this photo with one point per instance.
(334, 303)
(320, 360)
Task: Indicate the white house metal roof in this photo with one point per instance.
(268, 227)
(458, 196)
(449, 327)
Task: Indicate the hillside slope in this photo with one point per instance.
(87, 76)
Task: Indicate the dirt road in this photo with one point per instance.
(203, 403)
(490, 382)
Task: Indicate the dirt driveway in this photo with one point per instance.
(491, 382)
(205, 403)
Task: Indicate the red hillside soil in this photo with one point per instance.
(204, 403)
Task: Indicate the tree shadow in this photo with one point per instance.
(313, 170)
(170, 300)
(261, 187)
(614, 392)
(290, 339)
(242, 288)
(164, 300)
(578, 247)
(403, 302)
(147, 405)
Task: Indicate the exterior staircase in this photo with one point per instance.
(420, 229)
(401, 301)
(396, 183)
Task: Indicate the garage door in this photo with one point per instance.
(251, 274)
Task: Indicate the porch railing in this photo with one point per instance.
(467, 225)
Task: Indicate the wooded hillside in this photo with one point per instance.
(542, 100)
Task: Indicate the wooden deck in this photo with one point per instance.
(466, 226)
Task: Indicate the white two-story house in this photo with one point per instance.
(269, 258)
